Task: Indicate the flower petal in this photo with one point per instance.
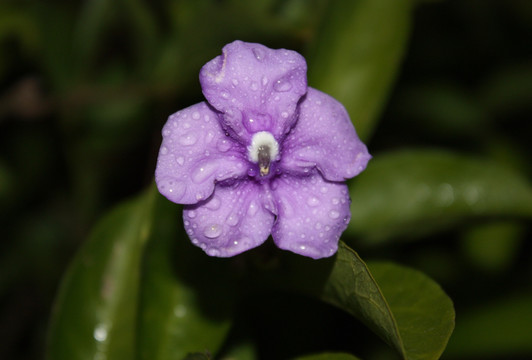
(312, 213)
(256, 88)
(195, 153)
(235, 219)
(325, 138)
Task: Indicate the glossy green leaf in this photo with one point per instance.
(95, 312)
(419, 191)
(357, 54)
(403, 306)
(499, 329)
(328, 356)
(186, 296)
(423, 312)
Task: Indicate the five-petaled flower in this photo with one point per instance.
(266, 154)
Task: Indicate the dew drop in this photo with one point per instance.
(164, 150)
(212, 231)
(313, 201)
(259, 53)
(100, 333)
(212, 251)
(235, 82)
(335, 201)
(171, 189)
(317, 226)
(203, 172)
(209, 137)
(180, 160)
(166, 132)
(195, 115)
(188, 140)
(214, 203)
(282, 85)
(191, 214)
(223, 145)
(232, 219)
(333, 214)
(252, 209)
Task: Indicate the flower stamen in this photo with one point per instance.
(263, 150)
(264, 160)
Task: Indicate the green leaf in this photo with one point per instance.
(423, 312)
(415, 192)
(95, 312)
(403, 306)
(499, 329)
(493, 246)
(186, 297)
(328, 356)
(357, 53)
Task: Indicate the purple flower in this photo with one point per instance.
(264, 155)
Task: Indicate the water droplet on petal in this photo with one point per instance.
(195, 115)
(259, 53)
(173, 190)
(232, 219)
(282, 85)
(214, 203)
(209, 137)
(180, 160)
(335, 201)
(212, 251)
(164, 150)
(203, 172)
(188, 139)
(313, 201)
(213, 231)
(333, 214)
(253, 209)
(223, 145)
(235, 82)
(191, 214)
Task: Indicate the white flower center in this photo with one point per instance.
(263, 150)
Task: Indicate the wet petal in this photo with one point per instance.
(256, 88)
(235, 219)
(324, 138)
(195, 153)
(312, 213)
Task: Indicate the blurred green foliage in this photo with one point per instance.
(440, 90)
